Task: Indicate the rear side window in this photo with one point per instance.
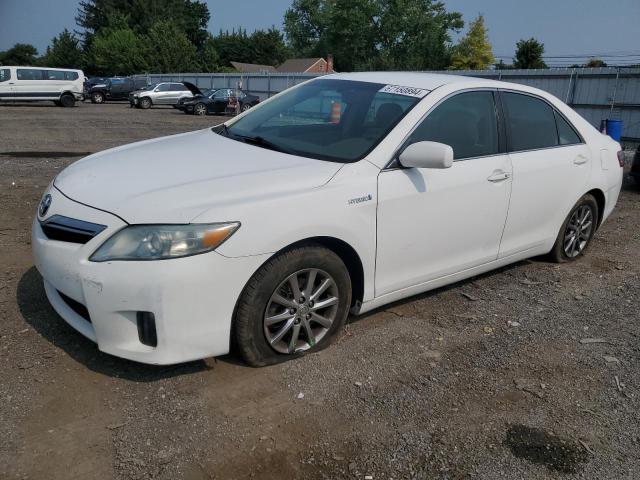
(178, 87)
(566, 134)
(54, 75)
(467, 122)
(29, 74)
(530, 122)
(5, 74)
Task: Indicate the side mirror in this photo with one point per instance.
(427, 155)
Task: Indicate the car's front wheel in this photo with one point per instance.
(294, 304)
(97, 97)
(577, 230)
(145, 102)
(200, 109)
(67, 100)
(246, 107)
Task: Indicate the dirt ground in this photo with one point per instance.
(498, 377)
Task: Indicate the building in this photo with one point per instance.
(293, 65)
(253, 68)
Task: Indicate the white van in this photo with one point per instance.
(61, 85)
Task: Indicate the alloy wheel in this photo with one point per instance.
(301, 311)
(200, 109)
(578, 231)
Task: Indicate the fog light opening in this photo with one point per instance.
(147, 329)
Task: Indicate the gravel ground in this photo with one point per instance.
(526, 372)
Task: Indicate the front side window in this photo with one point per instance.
(70, 75)
(5, 74)
(163, 87)
(328, 119)
(467, 122)
(29, 74)
(530, 122)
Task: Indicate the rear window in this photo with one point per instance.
(5, 74)
(29, 74)
(530, 121)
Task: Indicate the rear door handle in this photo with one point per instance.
(580, 160)
(498, 176)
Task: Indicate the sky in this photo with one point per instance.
(566, 27)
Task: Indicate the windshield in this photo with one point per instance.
(330, 119)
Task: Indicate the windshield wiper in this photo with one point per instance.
(260, 142)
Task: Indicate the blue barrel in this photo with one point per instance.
(614, 129)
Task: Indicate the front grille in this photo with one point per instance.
(77, 307)
(65, 229)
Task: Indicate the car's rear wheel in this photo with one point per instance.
(145, 102)
(97, 97)
(200, 109)
(577, 230)
(67, 100)
(294, 304)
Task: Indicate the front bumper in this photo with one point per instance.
(192, 298)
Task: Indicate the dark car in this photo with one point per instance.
(635, 167)
(205, 93)
(222, 100)
(116, 88)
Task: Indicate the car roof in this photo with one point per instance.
(41, 68)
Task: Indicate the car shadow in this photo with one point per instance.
(453, 286)
(37, 312)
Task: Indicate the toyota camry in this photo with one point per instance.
(339, 195)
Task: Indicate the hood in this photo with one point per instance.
(175, 179)
(192, 88)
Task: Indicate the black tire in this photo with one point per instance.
(97, 97)
(144, 103)
(67, 100)
(57, 103)
(558, 253)
(200, 109)
(248, 330)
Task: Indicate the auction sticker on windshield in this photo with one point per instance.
(408, 91)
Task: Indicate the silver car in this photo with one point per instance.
(166, 93)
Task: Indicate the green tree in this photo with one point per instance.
(595, 63)
(209, 59)
(503, 66)
(167, 49)
(117, 50)
(529, 54)
(473, 52)
(19, 54)
(190, 16)
(268, 47)
(234, 46)
(64, 52)
(381, 34)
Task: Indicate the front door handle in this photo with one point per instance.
(498, 176)
(580, 160)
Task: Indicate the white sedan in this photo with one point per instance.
(339, 195)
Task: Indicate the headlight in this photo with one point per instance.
(159, 242)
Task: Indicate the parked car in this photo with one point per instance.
(165, 93)
(635, 166)
(180, 103)
(222, 101)
(116, 88)
(90, 82)
(343, 193)
(60, 85)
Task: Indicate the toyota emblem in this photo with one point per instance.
(44, 205)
